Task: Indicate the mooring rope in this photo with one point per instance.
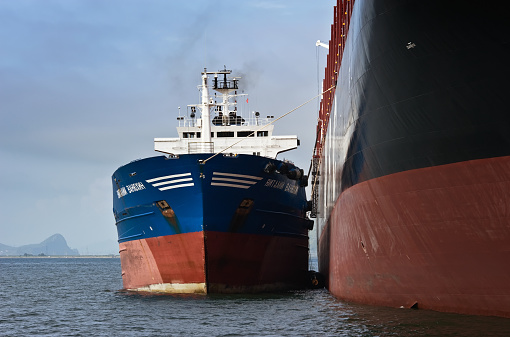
(266, 125)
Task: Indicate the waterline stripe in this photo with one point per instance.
(177, 288)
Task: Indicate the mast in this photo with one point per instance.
(206, 113)
(225, 87)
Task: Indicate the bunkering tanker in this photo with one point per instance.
(218, 213)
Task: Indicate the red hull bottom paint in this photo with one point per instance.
(236, 263)
(241, 263)
(174, 263)
(437, 237)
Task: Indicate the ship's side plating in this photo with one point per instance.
(414, 150)
(234, 224)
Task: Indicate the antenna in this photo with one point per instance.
(205, 50)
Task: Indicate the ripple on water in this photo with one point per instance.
(82, 297)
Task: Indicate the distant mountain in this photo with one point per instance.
(54, 245)
(7, 250)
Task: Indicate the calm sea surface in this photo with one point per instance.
(82, 297)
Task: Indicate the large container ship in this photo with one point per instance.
(412, 161)
(218, 212)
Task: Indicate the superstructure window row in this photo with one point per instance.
(221, 134)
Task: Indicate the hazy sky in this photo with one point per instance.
(85, 86)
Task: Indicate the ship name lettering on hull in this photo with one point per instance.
(281, 185)
(130, 189)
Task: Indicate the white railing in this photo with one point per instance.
(200, 147)
(186, 121)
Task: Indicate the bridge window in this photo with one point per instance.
(262, 133)
(225, 134)
(188, 135)
(245, 133)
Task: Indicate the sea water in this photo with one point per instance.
(83, 297)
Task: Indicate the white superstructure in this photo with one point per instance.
(227, 131)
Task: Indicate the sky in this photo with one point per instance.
(86, 86)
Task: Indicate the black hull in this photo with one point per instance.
(413, 150)
(427, 86)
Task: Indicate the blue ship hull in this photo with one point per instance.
(192, 211)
